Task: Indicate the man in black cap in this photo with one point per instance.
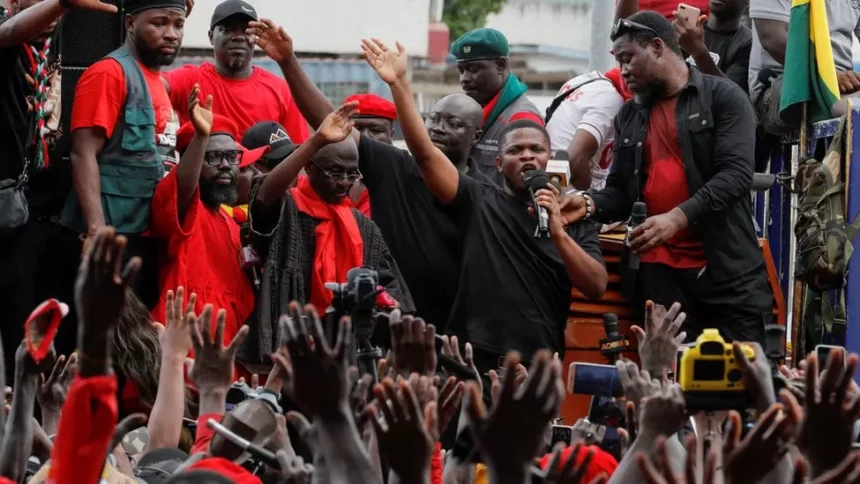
(123, 131)
(28, 48)
(482, 60)
(273, 135)
(246, 94)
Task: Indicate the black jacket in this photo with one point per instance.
(716, 131)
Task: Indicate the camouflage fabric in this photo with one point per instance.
(823, 237)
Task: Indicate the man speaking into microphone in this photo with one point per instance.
(515, 288)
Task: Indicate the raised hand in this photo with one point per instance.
(272, 39)
(511, 435)
(450, 397)
(213, 362)
(97, 5)
(200, 113)
(338, 124)
(388, 64)
(636, 384)
(408, 435)
(663, 413)
(53, 390)
(757, 377)
(847, 471)
(100, 292)
(828, 406)
(294, 470)
(764, 446)
(520, 376)
(660, 471)
(175, 338)
(317, 375)
(413, 345)
(451, 348)
(659, 342)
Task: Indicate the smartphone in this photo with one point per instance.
(823, 353)
(563, 434)
(688, 15)
(594, 379)
(605, 411)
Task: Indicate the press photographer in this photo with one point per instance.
(310, 235)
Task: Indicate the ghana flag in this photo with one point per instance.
(810, 74)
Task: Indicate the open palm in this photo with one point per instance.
(388, 64)
(272, 39)
(94, 5)
(201, 116)
(338, 125)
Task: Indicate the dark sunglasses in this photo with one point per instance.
(624, 26)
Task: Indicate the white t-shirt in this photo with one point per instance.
(591, 108)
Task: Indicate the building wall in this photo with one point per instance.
(331, 26)
(563, 24)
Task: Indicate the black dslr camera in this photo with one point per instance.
(357, 298)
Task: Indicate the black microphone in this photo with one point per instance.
(536, 180)
(614, 343)
(561, 155)
(637, 218)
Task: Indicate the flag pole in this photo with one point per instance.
(798, 332)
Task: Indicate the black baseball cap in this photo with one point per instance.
(273, 135)
(231, 8)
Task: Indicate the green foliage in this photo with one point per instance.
(462, 16)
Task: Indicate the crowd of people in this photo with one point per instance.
(190, 262)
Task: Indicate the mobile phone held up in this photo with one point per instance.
(823, 354)
(594, 379)
(687, 15)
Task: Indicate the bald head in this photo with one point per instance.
(344, 150)
(463, 107)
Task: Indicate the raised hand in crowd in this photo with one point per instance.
(659, 341)
(413, 345)
(212, 371)
(658, 470)
(165, 426)
(848, 471)
(272, 39)
(390, 65)
(520, 377)
(53, 390)
(757, 376)
(317, 380)
(827, 431)
(510, 436)
(408, 433)
(637, 384)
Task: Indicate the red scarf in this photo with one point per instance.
(339, 247)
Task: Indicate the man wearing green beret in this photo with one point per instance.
(482, 60)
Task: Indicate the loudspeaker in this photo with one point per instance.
(86, 37)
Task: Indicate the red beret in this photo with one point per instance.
(371, 105)
(220, 125)
(226, 468)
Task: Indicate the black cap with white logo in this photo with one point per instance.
(275, 136)
(231, 8)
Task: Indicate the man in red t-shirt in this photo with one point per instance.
(200, 241)
(155, 32)
(246, 94)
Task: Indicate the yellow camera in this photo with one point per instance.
(709, 374)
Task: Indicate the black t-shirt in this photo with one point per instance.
(422, 238)
(45, 187)
(731, 53)
(514, 289)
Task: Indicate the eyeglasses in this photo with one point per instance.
(433, 120)
(624, 26)
(214, 158)
(350, 176)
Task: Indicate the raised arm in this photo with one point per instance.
(626, 8)
(188, 169)
(440, 175)
(334, 129)
(27, 24)
(278, 45)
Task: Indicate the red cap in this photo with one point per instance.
(54, 311)
(226, 468)
(371, 105)
(220, 125)
(601, 461)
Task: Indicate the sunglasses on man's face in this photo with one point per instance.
(624, 26)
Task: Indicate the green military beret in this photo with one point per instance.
(482, 43)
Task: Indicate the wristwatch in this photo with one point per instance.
(270, 398)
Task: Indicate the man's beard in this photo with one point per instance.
(214, 195)
(654, 90)
(153, 57)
